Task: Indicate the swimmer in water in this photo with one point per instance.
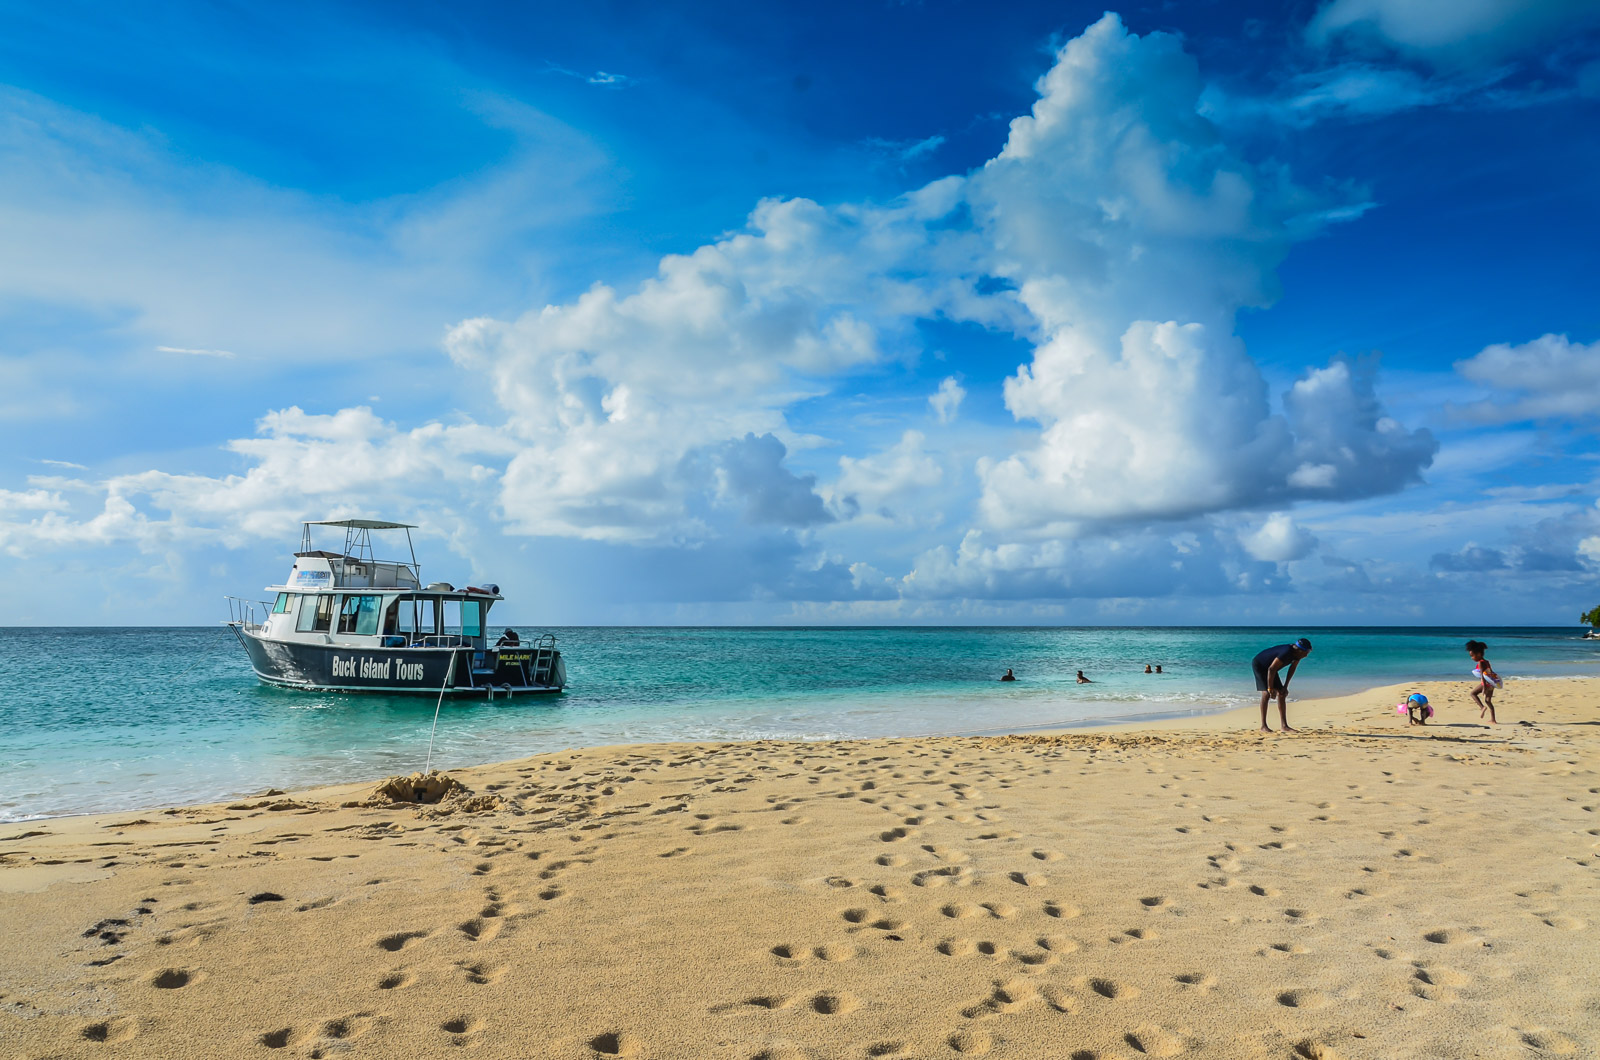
(1009, 676)
(1082, 680)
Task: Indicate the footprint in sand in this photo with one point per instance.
(1306, 999)
(944, 853)
(278, 1039)
(396, 981)
(1061, 911)
(1048, 855)
(616, 1043)
(971, 1042)
(1001, 910)
(1153, 903)
(1311, 1049)
(889, 861)
(1059, 998)
(1549, 1041)
(839, 1004)
(345, 1028)
(1263, 891)
(957, 947)
(1027, 879)
(119, 1029)
(1006, 998)
(1564, 923)
(1152, 1040)
(461, 1029)
(400, 940)
(1449, 937)
(1112, 990)
(1197, 980)
(788, 952)
(173, 979)
(479, 929)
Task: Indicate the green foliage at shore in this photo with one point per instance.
(1592, 618)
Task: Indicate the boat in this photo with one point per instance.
(346, 621)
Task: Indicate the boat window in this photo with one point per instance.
(316, 614)
(452, 616)
(281, 605)
(471, 618)
(416, 615)
(359, 615)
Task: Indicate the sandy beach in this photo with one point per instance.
(1185, 888)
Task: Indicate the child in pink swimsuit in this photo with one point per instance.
(1488, 680)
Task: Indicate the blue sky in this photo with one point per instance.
(855, 313)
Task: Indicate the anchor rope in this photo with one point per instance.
(449, 673)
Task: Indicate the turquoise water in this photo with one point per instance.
(111, 719)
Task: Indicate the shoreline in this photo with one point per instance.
(1166, 888)
(1223, 718)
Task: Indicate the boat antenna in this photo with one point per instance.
(449, 673)
(416, 568)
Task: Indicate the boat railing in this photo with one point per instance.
(443, 640)
(242, 614)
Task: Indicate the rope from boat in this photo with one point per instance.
(449, 673)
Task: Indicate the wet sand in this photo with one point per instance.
(1180, 888)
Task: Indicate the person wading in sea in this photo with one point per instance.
(1272, 680)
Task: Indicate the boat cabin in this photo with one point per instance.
(352, 597)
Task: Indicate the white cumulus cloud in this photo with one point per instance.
(946, 401)
(1551, 377)
(1278, 540)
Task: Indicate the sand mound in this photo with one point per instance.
(433, 793)
(432, 786)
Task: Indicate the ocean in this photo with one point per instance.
(130, 718)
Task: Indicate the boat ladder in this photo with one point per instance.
(544, 660)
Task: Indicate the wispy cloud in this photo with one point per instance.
(905, 150)
(194, 353)
(64, 463)
(603, 78)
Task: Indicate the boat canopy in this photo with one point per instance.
(362, 524)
